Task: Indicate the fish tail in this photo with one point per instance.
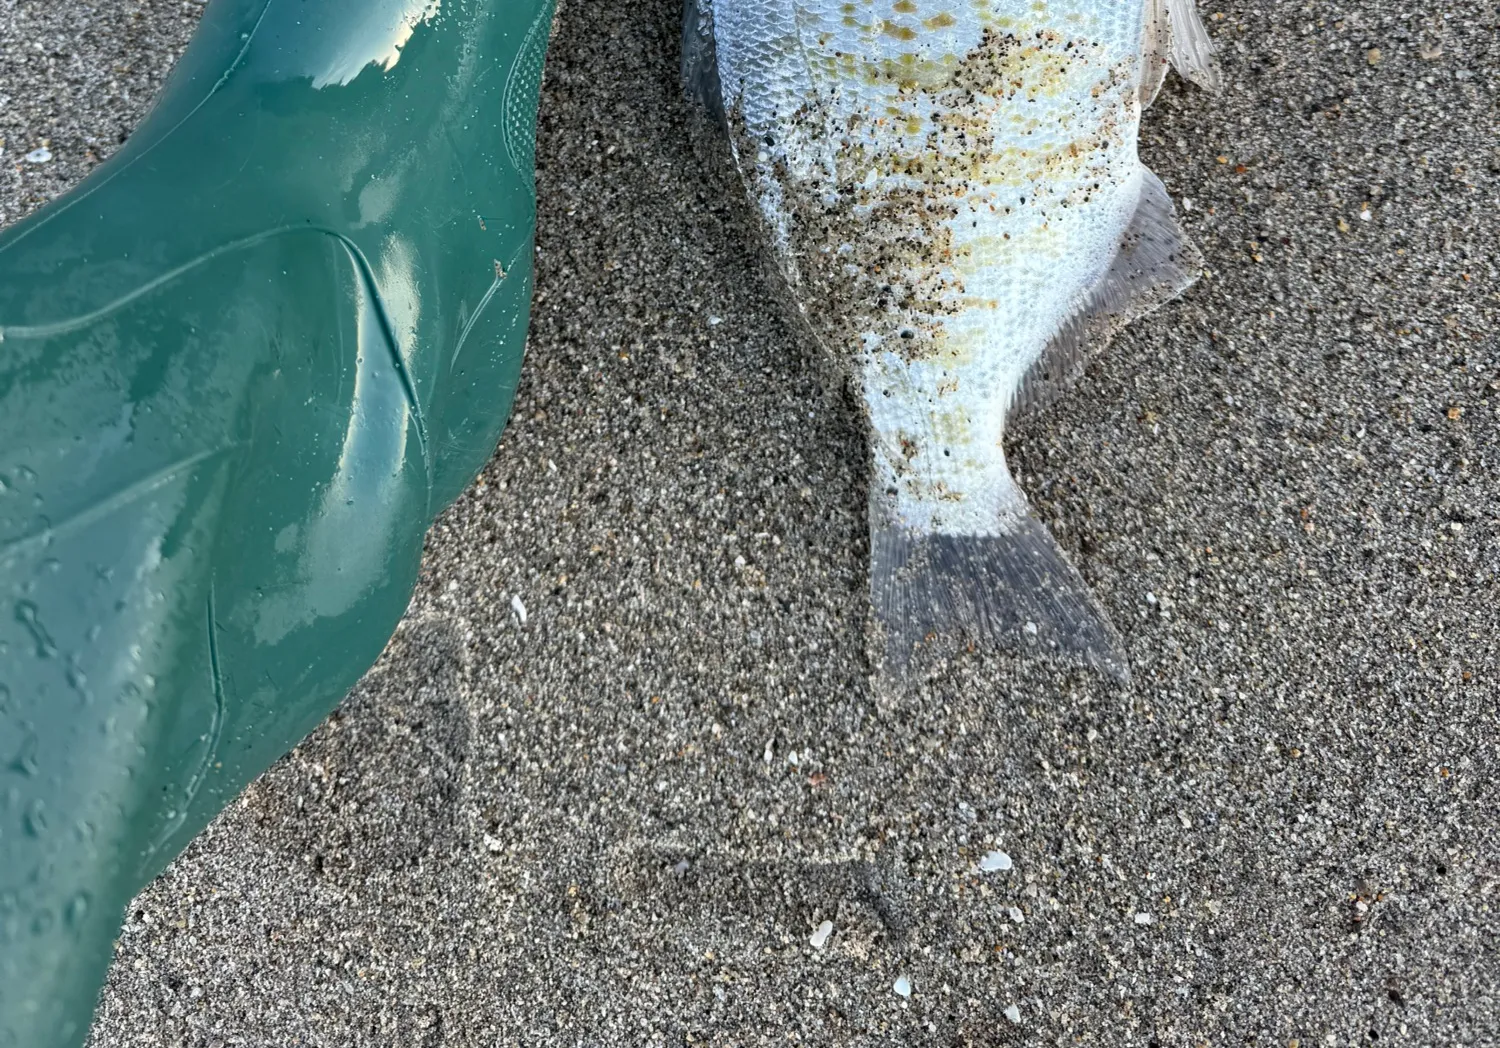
(1012, 589)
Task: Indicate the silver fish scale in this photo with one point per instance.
(944, 181)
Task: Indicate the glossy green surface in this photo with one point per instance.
(241, 368)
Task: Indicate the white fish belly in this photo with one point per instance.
(943, 182)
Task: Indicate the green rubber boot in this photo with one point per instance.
(242, 367)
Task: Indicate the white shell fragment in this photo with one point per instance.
(994, 861)
(519, 608)
(39, 156)
(820, 937)
(902, 986)
(1013, 1013)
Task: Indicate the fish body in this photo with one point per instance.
(952, 193)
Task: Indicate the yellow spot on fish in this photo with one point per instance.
(900, 32)
(939, 21)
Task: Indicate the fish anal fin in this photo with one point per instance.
(1012, 590)
(1192, 51)
(1156, 50)
(1154, 264)
(1175, 36)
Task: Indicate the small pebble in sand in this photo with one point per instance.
(1144, 918)
(1013, 1013)
(995, 860)
(519, 608)
(39, 156)
(902, 986)
(820, 936)
(1016, 915)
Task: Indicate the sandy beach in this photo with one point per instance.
(620, 822)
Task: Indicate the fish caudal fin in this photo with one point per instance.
(1154, 263)
(1012, 590)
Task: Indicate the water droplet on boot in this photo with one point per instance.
(26, 762)
(77, 909)
(26, 615)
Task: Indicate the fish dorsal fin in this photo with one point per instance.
(1174, 36)
(700, 63)
(1153, 265)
